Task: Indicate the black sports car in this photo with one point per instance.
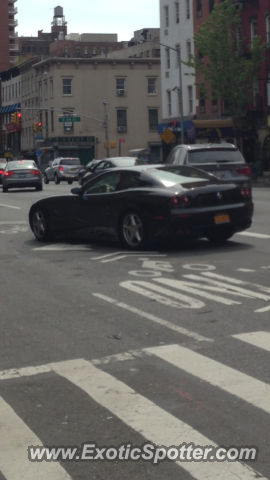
(145, 203)
(100, 165)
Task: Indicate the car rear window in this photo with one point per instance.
(21, 164)
(179, 175)
(70, 161)
(128, 162)
(215, 155)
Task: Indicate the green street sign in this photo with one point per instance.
(69, 119)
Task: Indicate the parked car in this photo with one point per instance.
(141, 204)
(62, 170)
(111, 163)
(3, 163)
(223, 160)
(85, 169)
(21, 174)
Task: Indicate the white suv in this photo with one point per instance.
(63, 170)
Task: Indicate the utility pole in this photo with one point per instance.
(106, 128)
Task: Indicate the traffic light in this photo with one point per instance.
(35, 126)
(13, 117)
(39, 126)
(19, 117)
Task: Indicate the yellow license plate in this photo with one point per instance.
(222, 219)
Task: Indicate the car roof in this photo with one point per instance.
(200, 146)
(118, 158)
(142, 168)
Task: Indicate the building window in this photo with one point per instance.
(190, 100)
(120, 86)
(202, 102)
(188, 50)
(153, 118)
(102, 51)
(28, 85)
(9, 92)
(94, 51)
(52, 120)
(177, 13)
(47, 50)
(85, 51)
(78, 52)
(188, 9)
(28, 49)
(268, 29)
(67, 86)
(23, 49)
(168, 58)
(51, 88)
(178, 54)
(16, 90)
(12, 90)
(45, 90)
(169, 102)
(201, 57)
(211, 5)
(214, 105)
(199, 8)
(152, 86)
(166, 13)
(40, 49)
(19, 88)
(122, 120)
(32, 84)
(254, 29)
(68, 126)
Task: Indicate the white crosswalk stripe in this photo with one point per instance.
(142, 415)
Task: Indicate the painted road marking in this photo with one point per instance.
(263, 310)
(9, 206)
(153, 318)
(258, 339)
(63, 247)
(236, 383)
(245, 270)
(161, 427)
(15, 438)
(113, 257)
(11, 222)
(235, 281)
(253, 234)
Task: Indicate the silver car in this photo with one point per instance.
(223, 160)
(21, 174)
(63, 170)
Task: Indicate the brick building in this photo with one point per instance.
(8, 36)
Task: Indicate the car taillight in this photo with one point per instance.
(246, 192)
(1, 172)
(186, 199)
(8, 174)
(60, 169)
(175, 200)
(244, 170)
(34, 172)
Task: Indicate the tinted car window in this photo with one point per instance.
(130, 180)
(179, 175)
(128, 162)
(107, 183)
(70, 161)
(21, 164)
(215, 155)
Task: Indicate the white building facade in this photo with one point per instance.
(176, 32)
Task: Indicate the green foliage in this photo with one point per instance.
(227, 70)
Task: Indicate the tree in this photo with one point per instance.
(226, 71)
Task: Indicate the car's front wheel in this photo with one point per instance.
(132, 230)
(40, 225)
(56, 180)
(70, 182)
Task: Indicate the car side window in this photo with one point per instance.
(99, 166)
(129, 180)
(108, 183)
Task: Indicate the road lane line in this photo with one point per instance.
(160, 321)
(15, 438)
(23, 372)
(63, 247)
(236, 383)
(145, 417)
(262, 310)
(253, 234)
(9, 206)
(122, 253)
(257, 339)
(11, 222)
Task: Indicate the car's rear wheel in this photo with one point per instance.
(46, 180)
(40, 225)
(220, 237)
(70, 182)
(56, 180)
(132, 230)
(80, 179)
(5, 189)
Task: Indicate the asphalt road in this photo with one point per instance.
(102, 345)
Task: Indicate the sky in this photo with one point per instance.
(86, 16)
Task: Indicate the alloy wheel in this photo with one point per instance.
(39, 224)
(132, 230)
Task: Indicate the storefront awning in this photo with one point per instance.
(10, 108)
(218, 123)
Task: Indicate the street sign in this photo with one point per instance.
(167, 136)
(122, 140)
(111, 144)
(69, 119)
(38, 153)
(39, 137)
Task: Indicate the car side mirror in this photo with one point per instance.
(76, 191)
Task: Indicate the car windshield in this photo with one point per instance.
(70, 161)
(2, 165)
(215, 155)
(179, 175)
(128, 162)
(21, 164)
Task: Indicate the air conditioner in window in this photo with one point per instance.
(120, 91)
(202, 109)
(199, 13)
(214, 108)
(154, 92)
(166, 31)
(167, 74)
(122, 129)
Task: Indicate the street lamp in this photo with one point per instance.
(178, 50)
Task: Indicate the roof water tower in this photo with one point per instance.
(59, 24)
